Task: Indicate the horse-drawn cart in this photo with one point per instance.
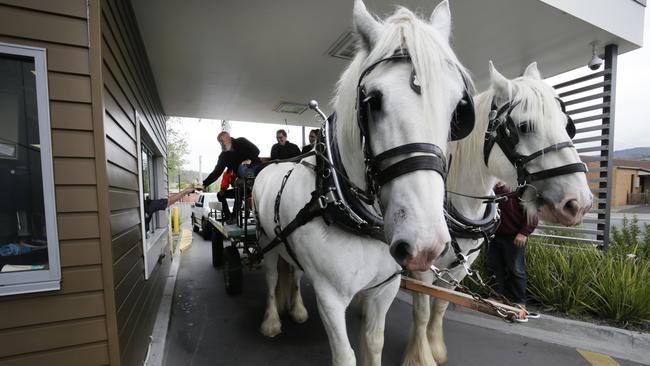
(242, 252)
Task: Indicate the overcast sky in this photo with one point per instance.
(632, 128)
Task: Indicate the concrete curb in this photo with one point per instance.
(618, 343)
(156, 352)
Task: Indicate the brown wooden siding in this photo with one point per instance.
(69, 326)
(128, 88)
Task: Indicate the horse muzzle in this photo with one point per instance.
(412, 258)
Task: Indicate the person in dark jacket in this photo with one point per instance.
(283, 149)
(313, 136)
(506, 254)
(237, 155)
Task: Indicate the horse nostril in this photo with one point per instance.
(572, 207)
(401, 251)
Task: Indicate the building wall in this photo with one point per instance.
(621, 185)
(129, 89)
(66, 326)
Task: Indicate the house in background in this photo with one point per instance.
(630, 180)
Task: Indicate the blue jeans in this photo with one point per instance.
(248, 171)
(507, 264)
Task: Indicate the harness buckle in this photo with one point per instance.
(327, 172)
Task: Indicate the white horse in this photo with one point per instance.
(564, 199)
(339, 263)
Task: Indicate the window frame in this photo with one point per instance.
(12, 283)
(152, 246)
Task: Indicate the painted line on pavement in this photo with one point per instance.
(597, 359)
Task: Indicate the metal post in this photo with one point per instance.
(611, 54)
(303, 136)
(200, 168)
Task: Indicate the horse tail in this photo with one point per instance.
(285, 289)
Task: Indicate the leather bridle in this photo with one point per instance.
(503, 131)
(434, 158)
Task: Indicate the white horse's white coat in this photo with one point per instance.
(469, 175)
(339, 263)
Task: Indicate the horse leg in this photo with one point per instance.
(418, 349)
(434, 330)
(331, 307)
(271, 325)
(375, 306)
(298, 312)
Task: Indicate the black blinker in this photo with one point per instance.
(570, 127)
(462, 122)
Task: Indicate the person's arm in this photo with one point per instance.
(529, 227)
(175, 197)
(250, 149)
(296, 150)
(216, 173)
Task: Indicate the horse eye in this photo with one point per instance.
(374, 100)
(525, 127)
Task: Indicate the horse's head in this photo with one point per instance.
(406, 83)
(532, 131)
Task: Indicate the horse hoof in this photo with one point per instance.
(271, 329)
(299, 314)
(439, 353)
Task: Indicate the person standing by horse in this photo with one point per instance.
(506, 253)
(283, 149)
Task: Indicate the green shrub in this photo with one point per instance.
(629, 240)
(559, 277)
(578, 279)
(620, 289)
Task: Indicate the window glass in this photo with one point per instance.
(148, 176)
(23, 234)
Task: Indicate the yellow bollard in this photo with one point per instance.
(176, 222)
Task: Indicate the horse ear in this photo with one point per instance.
(365, 25)
(532, 71)
(441, 19)
(500, 84)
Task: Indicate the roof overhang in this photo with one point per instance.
(237, 60)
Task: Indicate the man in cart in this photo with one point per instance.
(238, 155)
(244, 159)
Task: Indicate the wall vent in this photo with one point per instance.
(344, 47)
(290, 107)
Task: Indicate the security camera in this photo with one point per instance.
(595, 61)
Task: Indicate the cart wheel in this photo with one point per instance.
(232, 270)
(206, 229)
(194, 227)
(217, 249)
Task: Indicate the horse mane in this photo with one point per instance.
(432, 58)
(537, 104)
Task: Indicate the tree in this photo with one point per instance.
(177, 149)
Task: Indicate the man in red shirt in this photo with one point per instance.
(506, 253)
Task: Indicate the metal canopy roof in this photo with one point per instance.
(237, 60)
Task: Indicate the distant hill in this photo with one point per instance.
(636, 153)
